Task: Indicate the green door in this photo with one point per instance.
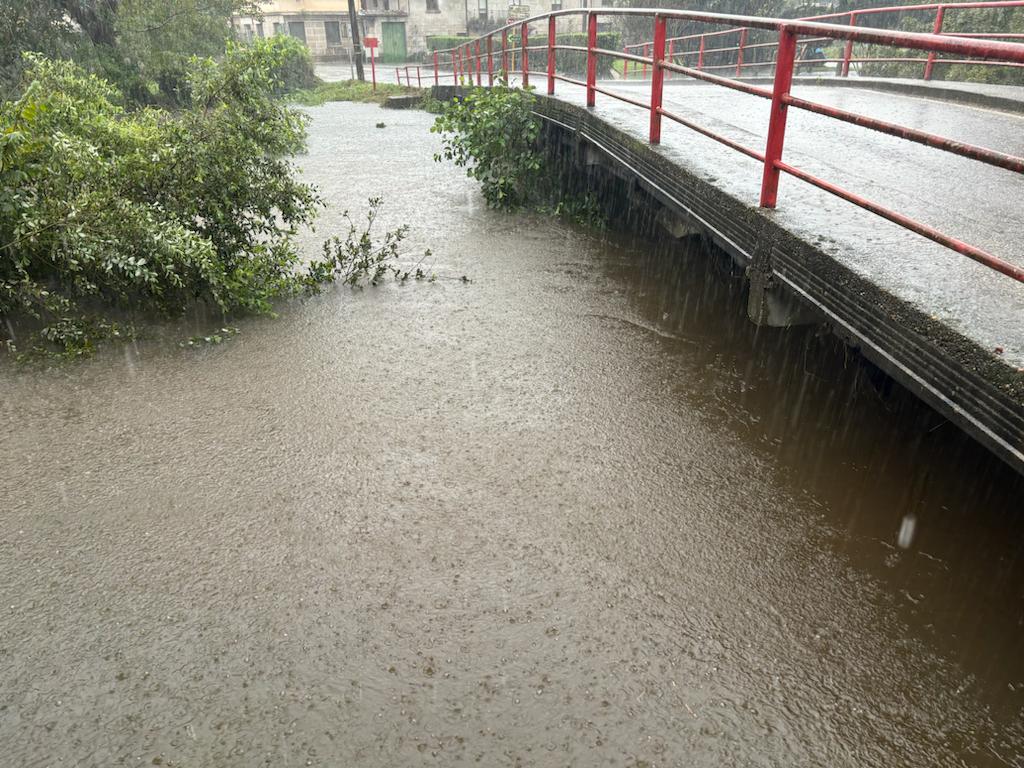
(392, 41)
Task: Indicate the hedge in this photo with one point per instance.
(444, 42)
(575, 62)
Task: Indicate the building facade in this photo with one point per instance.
(400, 26)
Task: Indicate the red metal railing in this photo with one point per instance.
(789, 32)
(419, 76)
(686, 48)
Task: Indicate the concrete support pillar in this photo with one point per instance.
(769, 303)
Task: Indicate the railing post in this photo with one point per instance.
(408, 79)
(848, 50)
(700, 54)
(437, 78)
(504, 55)
(625, 65)
(647, 55)
(671, 46)
(457, 63)
(490, 62)
(479, 66)
(940, 12)
(657, 79)
(419, 78)
(739, 52)
(524, 35)
(551, 55)
(591, 58)
(373, 68)
(398, 75)
(777, 122)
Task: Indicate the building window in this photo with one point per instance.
(482, 7)
(247, 31)
(332, 31)
(259, 29)
(432, 6)
(297, 29)
(556, 5)
(278, 28)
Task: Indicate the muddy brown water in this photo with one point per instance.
(576, 512)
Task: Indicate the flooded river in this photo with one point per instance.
(575, 512)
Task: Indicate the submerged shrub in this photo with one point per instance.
(493, 134)
(103, 209)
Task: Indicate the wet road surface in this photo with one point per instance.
(576, 512)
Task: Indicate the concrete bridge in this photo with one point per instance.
(897, 225)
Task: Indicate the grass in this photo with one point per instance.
(349, 90)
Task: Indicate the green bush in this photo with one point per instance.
(349, 90)
(103, 209)
(444, 42)
(493, 134)
(295, 70)
(962, 20)
(574, 63)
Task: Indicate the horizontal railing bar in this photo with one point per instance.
(572, 80)
(626, 56)
(723, 50)
(860, 12)
(982, 154)
(620, 97)
(711, 135)
(978, 62)
(695, 36)
(921, 7)
(987, 35)
(970, 251)
(736, 85)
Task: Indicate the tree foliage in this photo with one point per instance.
(141, 46)
(103, 208)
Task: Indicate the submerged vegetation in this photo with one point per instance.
(106, 211)
(493, 134)
(349, 90)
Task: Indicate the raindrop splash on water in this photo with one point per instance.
(907, 528)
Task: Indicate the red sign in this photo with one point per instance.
(370, 42)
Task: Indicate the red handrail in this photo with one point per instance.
(789, 31)
(851, 17)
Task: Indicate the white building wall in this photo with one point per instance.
(451, 17)
(314, 26)
(448, 19)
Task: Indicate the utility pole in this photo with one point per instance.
(357, 44)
